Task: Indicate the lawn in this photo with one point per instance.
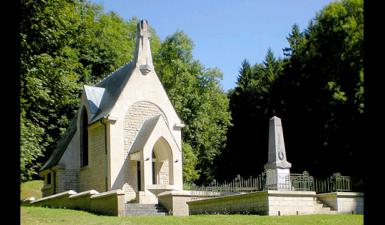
(43, 216)
(31, 188)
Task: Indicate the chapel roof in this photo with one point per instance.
(115, 82)
(112, 85)
(101, 99)
(144, 133)
(61, 145)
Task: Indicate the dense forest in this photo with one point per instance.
(316, 89)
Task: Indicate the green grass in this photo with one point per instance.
(43, 216)
(31, 189)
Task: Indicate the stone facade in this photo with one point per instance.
(134, 118)
(93, 176)
(69, 178)
(48, 188)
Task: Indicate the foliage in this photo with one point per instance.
(30, 137)
(190, 161)
(317, 90)
(324, 81)
(251, 108)
(198, 99)
(64, 44)
(43, 216)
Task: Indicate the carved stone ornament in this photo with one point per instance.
(281, 155)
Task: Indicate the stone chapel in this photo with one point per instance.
(126, 135)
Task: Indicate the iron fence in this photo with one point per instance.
(302, 182)
(298, 182)
(238, 184)
(334, 183)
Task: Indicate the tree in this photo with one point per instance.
(190, 160)
(198, 99)
(64, 44)
(325, 86)
(251, 109)
(30, 137)
(317, 90)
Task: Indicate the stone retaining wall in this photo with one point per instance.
(344, 202)
(256, 203)
(106, 203)
(176, 201)
(279, 203)
(291, 202)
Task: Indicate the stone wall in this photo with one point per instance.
(67, 179)
(344, 202)
(60, 200)
(261, 202)
(329, 199)
(133, 119)
(255, 203)
(176, 201)
(164, 173)
(93, 176)
(107, 203)
(135, 116)
(48, 189)
(350, 203)
(280, 203)
(62, 179)
(291, 202)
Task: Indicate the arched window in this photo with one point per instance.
(84, 139)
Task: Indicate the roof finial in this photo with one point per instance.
(143, 57)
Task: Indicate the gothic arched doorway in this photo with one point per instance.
(162, 163)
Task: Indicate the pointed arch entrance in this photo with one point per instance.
(158, 156)
(162, 163)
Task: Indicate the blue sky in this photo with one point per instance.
(224, 32)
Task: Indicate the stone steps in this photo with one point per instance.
(136, 209)
(321, 208)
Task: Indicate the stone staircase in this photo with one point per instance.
(321, 208)
(136, 209)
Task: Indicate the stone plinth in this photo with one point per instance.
(176, 202)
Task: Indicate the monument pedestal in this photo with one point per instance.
(278, 179)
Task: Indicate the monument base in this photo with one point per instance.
(278, 179)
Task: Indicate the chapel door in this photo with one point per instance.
(138, 176)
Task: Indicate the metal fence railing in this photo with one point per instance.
(334, 183)
(238, 184)
(297, 182)
(302, 182)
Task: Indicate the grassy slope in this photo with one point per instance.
(31, 188)
(43, 216)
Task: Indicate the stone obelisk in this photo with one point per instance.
(277, 168)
